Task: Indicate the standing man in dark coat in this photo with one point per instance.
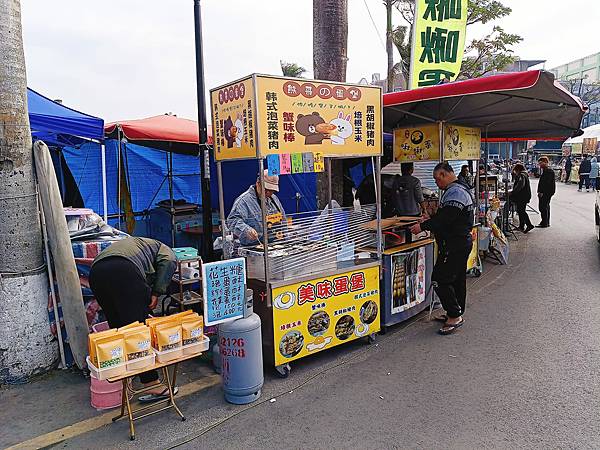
(546, 189)
(584, 173)
(451, 226)
(568, 168)
(521, 195)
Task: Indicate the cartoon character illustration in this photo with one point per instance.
(239, 128)
(230, 131)
(343, 129)
(313, 128)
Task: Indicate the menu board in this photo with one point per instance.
(324, 312)
(224, 289)
(262, 115)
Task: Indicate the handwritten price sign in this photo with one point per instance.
(224, 287)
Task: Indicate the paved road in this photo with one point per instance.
(522, 373)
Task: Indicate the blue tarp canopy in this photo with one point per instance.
(59, 125)
(146, 170)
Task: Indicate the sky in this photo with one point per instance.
(128, 59)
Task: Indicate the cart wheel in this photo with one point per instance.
(283, 371)
(183, 419)
(132, 438)
(371, 338)
(476, 273)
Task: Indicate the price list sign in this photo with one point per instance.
(224, 288)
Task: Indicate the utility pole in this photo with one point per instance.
(204, 151)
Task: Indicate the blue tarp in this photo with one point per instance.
(147, 177)
(59, 125)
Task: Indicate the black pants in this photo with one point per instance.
(568, 176)
(544, 204)
(523, 216)
(450, 274)
(123, 294)
(584, 179)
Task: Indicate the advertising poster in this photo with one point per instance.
(297, 116)
(438, 41)
(462, 143)
(233, 120)
(408, 280)
(324, 312)
(224, 289)
(421, 143)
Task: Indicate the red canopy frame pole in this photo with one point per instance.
(207, 241)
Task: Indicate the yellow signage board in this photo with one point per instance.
(233, 120)
(324, 312)
(294, 116)
(462, 143)
(422, 143)
(438, 41)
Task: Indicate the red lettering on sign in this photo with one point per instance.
(324, 289)
(357, 281)
(306, 293)
(340, 286)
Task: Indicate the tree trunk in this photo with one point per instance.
(25, 338)
(330, 56)
(389, 48)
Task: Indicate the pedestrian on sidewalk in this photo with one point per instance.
(594, 174)
(451, 226)
(584, 173)
(521, 195)
(568, 168)
(546, 189)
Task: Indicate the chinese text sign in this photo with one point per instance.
(438, 41)
(224, 288)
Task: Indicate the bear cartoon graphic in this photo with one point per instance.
(343, 129)
(230, 131)
(314, 128)
(239, 128)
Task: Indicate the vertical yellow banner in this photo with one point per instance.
(438, 41)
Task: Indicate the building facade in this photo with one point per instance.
(587, 68)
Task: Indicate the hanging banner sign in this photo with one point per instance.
(590, 145)
(422, 143)
(438, 41)
(295, 116)
(462, 143)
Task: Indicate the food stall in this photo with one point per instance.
(313, 286)
(523, 105)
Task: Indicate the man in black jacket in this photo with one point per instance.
(546, 189)
(451, 226)
(568, 168)
(584, 173)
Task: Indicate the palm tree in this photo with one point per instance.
(330, 56)
(292, 69)
(25, 331)
(330, 39)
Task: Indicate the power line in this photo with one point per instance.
(374, 24)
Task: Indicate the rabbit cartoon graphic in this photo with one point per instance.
(343, 129)
(239, 125)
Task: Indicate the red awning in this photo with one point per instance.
(525, 105)
(169, 133)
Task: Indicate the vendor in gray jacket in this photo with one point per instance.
(245, 218)
(407, 194)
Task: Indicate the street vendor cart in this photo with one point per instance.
(313, 286)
